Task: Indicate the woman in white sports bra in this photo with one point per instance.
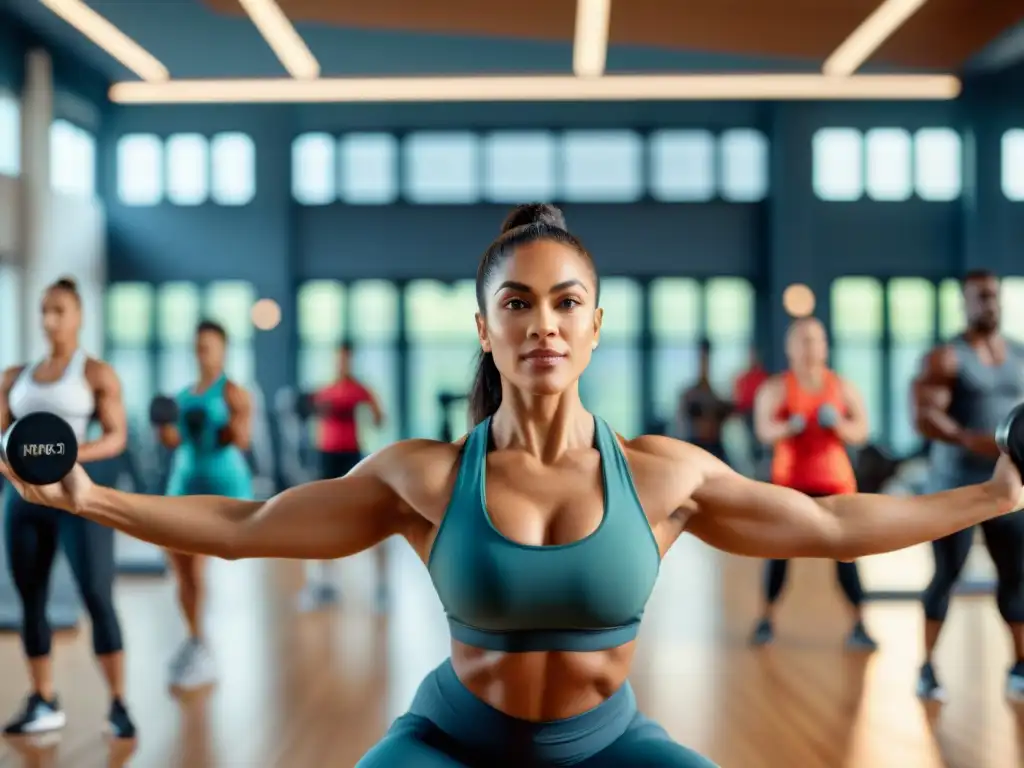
(79, 389)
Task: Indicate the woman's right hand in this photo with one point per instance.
(1006, 483)
(70, 494)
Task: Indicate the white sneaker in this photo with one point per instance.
(37, 716)
(192, 666)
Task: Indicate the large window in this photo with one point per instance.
(10, 329)
(602, 166)
(232, 169)
(443, 348)
(889, 162)
(838, 164)
(519, 166)
(682, 166)
(610, 387)
(321, 324)
(912, 316)
(857, 324)
(179, 309)
(188, 169)
(744, 165)
(72, 159)
(374, 333)
(314, 159)
(369, 168)
(1013, 307)
(937, 164)
(129, 326)
(10, 134)
(230, 303)
(676, 306)
(1013, 164)
(140, 169)
(442, 167)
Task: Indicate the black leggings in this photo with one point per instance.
(1004, 539)
(32, 534)
(849, 580)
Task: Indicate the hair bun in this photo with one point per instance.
(67, 283)
(534, 213)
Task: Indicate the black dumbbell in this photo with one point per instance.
(195, 423)
(41, 448)
(305, 405)
(1010, 437)
(163, 410)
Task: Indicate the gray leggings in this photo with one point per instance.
(448, 727)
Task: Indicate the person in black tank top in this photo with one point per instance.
(542, 530)
(964, 390)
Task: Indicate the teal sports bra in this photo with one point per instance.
(587, 595)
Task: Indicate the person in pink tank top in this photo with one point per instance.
(336, 407)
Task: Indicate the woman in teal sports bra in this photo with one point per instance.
(542, 530)
(209, 439)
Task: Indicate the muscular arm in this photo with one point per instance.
(768, 428)
(316, 521)
(736, 514)
(852, 428)
(110, 412)
(931, 393)
(7, 380)
(239, 427)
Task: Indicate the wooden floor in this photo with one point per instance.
(316, 691)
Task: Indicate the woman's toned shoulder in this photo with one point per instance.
(422, 472)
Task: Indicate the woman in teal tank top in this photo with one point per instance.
(209, 439)
(542, 530)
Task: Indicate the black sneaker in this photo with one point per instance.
(763, 633)
(38, 716)
(860, 640)
(928, 686)
(119, 722)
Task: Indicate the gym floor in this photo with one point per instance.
(316, 691)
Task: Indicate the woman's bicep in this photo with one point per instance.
(324, 520)
(745, 517)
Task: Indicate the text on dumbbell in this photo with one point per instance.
(42, 449)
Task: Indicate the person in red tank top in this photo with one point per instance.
(809, 415)
(336, 406)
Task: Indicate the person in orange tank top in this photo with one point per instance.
(809, 415)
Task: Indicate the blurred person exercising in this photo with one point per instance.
(209, 441)
(702, 413)
(340, 450)
(79, 389)
(809, 415)
(542, 530)
(965, 388)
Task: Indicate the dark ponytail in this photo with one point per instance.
(485, 395)
(525, 224)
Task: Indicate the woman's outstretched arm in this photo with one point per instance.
(318, 521)
(745, 517)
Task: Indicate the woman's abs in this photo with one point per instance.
(542, 686)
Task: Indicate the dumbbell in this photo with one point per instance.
(41, 448)
(1010, 437)
(305, 405)
(163, 411)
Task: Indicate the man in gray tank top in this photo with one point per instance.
(965, 388)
